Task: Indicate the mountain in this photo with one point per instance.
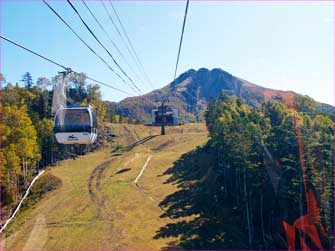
(192, 90)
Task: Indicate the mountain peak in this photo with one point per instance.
(191, 91)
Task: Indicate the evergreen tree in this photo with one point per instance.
(27, 79)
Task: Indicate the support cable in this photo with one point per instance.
(83, 41)
(107, 51)
(110, 39)
(62, 66)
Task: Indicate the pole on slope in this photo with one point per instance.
(162, 119)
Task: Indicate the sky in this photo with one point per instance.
(280, 45)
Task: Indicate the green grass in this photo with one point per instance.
(45, 184)
(98, 205)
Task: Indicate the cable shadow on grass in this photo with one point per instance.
(203, 220)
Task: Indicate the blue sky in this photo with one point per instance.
(281, 45)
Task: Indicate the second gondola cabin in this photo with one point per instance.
(75, 125)
(170, 116)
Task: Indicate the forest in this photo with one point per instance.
(275, 168)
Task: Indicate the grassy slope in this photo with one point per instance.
(98, 206)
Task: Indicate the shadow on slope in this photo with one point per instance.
(203, 220)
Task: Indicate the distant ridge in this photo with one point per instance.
(193, 89)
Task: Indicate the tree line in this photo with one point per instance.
(271, 162)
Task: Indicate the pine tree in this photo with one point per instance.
(27, 79)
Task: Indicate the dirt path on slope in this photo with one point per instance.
(94, 186)
(38, 235)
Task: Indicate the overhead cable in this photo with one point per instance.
(61, 66)
(83, 41)
(181, 39)
(110, 39)
(101, 44)
(133, 56)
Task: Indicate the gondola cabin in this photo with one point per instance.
(75, 125)
(170, 115)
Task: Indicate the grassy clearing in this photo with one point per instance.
(98, 205)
